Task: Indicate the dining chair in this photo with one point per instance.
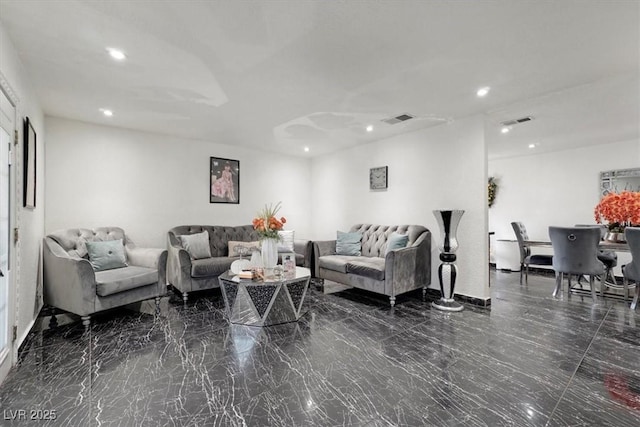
(575, 252)
(631, 271)
(608, 258)
(526, 257)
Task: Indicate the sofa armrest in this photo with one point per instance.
(178, 267)
(69, 282)
(151, 258)
(322, 248)
(145, 257)
(408, 268)
(304, 248)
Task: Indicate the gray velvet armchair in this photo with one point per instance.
(72, 284)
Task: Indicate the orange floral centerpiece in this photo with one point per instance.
(619, 210)
(266, 223)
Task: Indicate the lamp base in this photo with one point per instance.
(445, 304)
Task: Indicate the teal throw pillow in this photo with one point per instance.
(106, 255)
(396, 241)
(349, 244)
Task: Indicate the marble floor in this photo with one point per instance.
(529, 360)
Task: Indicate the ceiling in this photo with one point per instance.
(284, 75)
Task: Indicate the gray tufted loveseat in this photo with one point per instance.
(189, 275)
(71, 284)
(397, 272)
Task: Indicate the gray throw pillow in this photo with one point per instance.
(106, 255)
(349, 244)
(196, 244)
(396, 241)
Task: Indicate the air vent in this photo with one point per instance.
(398, 119)
(516, 121)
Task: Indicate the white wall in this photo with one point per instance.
(148, 183)
(27, 266)
(559, 188)
(438, 168)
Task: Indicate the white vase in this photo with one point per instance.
(269, 253)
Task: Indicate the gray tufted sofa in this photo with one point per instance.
(187, 275)
(71, 284)
(400, 271)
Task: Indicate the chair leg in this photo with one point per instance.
(157, 305)
(634, 303)
(593, 289)
(521, 272)
(185, 296)
(526, 275)
(392, 301)
(86, 321)
(603, 282)
(613, 276)
(559, 277)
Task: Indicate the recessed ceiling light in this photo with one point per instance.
(532, 145)
(369, 128)
(306, 149)
(116, 54)
(483, 91)
(505, 130)
(106, 112)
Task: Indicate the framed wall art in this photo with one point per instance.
(29, 166)
(224, 184)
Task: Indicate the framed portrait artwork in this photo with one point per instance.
(224, 184)
(29, 167)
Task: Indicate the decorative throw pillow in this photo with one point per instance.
(286, 244)
(81, 248)
(235, 248)
(106, 255)
(349, 244)
(196, 244)
(396, 241)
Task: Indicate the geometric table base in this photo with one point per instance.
(264, 303)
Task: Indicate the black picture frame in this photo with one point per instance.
(224, 180)
(29, 166)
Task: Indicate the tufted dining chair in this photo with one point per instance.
(608, 258)
(631, 271)
(526, 257)
(575, 252)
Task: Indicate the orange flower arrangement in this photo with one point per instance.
(619, 210)
(266, 223)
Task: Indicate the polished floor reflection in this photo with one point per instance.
(351, 360)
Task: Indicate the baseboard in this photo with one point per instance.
(474, 301)
(435, 293)
(24, 335)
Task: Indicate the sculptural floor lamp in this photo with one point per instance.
(447, 271)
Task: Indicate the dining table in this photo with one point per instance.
(604, 244)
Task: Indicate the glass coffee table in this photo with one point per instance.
(265, 303)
